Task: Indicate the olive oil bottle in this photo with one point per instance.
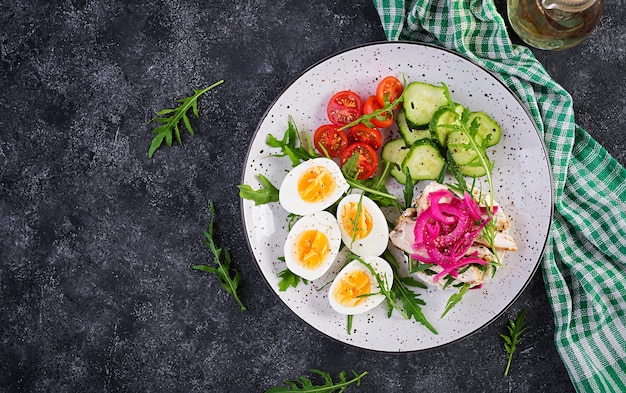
(554, 24)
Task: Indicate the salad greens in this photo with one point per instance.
(411, 303)
(292, 145)
(266, 194)
(515, 329)
(288, 279)
(227, 276)
(305, 384)
(297, 147)
(172, 117)
(455, 298)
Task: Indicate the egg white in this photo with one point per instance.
(291, 200)
(322, 221)
(381, 267)
(375, 243)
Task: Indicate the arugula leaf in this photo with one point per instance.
(412, 282)
(350, 167)
(471, 132)
(515, 328)
(267, 193)
(172, 117)
(356, 220)
(455, 299)
(228, 277)
(292, 145)
(288, 279)
(374, 187)
(411, 303)
(379, 114)
(409, 189)
(305, 384)
(350, 319)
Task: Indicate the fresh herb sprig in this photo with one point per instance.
(474, 143)
(292, 145)
(288, 279)
(265, 194)
(373, 187)
(515, 329)
(411, 303)
(171, 119)
(227, 276)
(305, 384)
(379, 114)
(398, 290)
(455, 299)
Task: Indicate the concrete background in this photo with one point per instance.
(97, 241)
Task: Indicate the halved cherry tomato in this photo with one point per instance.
(362, 133)
(344, 107)
(367, 159)
(329, 140)
(384, 120)
(388, 90)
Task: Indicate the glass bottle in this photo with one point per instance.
(554, 24)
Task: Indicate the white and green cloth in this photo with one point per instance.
(584, 266)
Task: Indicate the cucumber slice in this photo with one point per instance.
(459, 148)
(442, 118)
(397, 174)
(395, 151)
(409, 135)
(473, 170)
(424, 161)
(421, 100)
(488, 129)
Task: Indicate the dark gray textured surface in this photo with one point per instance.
(97, 240)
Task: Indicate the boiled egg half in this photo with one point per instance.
(312, 245)
(312, 186)
(363, 225)
(356, 290)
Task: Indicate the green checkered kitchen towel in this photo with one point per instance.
(584, 266)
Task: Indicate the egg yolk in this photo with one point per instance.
(356, 222)
(316, 184)
(350, 287)
(312, 247)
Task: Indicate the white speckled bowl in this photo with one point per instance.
(521, 179)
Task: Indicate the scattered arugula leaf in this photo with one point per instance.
(455, 299)
(409, 189)
(350, 318)
(398, 290)
(267, 193)
(356, 228)
(515, 328)
(292, 145)
(411, 303)
(228, 277)
(349, 168)
(374, 187)
(480, 147)
(379, 114)
(172, 117)
(383, 286)
(288, 279)
(305, 384)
